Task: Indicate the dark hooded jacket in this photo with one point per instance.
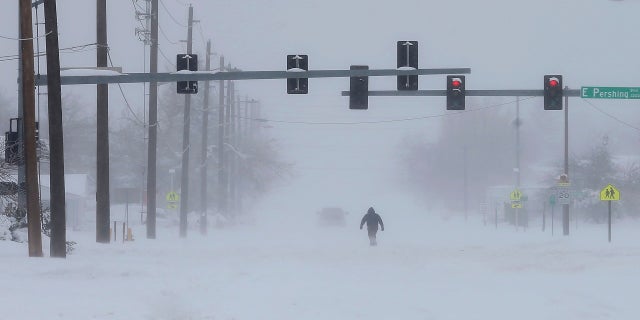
(372, 219)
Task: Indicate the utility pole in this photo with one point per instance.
(34, 228)
(184, 181)
(517, 168)
(153, 126)
(227, 164)
(222, 182)
(103, 210)
(58, 214)
(236, 157)
(565, 207)
(205, 133)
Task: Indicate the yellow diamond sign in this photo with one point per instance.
(516, 195)
(173, 197)
(609, 193)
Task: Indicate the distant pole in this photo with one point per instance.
(222, 182)
(227, 128)
(565, 207)
(466, 187)
(552, 218)
(518, 142)
(57, 190)
(153, 127)
(205, 142)
(34, 228)
(103, 211)
(184, 183)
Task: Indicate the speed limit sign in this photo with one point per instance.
(563, 195)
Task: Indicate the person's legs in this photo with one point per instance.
(372, 236)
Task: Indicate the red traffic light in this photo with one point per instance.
(553, 82)
(456, 83)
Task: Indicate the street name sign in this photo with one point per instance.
(610, 92)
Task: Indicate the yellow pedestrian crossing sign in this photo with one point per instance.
(609, 193)
(172, 196)
(516, 195)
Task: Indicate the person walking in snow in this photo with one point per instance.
(372, 219)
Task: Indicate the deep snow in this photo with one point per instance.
(282, 266)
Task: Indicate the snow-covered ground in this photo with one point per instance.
(284, 267)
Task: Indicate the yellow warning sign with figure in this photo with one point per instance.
(172, 196)
(609, 193)
(516, 195)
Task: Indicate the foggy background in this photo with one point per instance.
(401, 149)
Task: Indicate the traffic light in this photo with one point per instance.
(187, 62)
(553, 92)
(359, 90)
(297, 62)
(407, 59)
(455, 93)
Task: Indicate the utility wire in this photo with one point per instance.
(610, 115)
(171, 16)
(19, 39)
(125, 97)
(166, 59)
(165, 35)
(389, 120)
(74, 49)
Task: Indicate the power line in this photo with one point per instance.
(389, 120)
(125, 97)
(166, 59)
(611, 116)
(19, 39)
(165, 35)
(171, 16)
(74, 49)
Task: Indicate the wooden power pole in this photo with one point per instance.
(153, 126)
(58, 214)
(29, 121)
(205, 133)
(103, 215)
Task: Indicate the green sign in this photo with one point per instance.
(610, 92)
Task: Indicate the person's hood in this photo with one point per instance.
(371, 210)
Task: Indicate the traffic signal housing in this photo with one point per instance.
(359, 90)
(297, 62)
(188, 62)
(407, 58)
(553, 92)
(455, 93)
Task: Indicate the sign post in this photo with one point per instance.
(609, 193)
(552, 202)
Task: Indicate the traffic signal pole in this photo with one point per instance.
(254, 75)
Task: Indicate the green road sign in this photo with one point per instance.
(610, 92)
